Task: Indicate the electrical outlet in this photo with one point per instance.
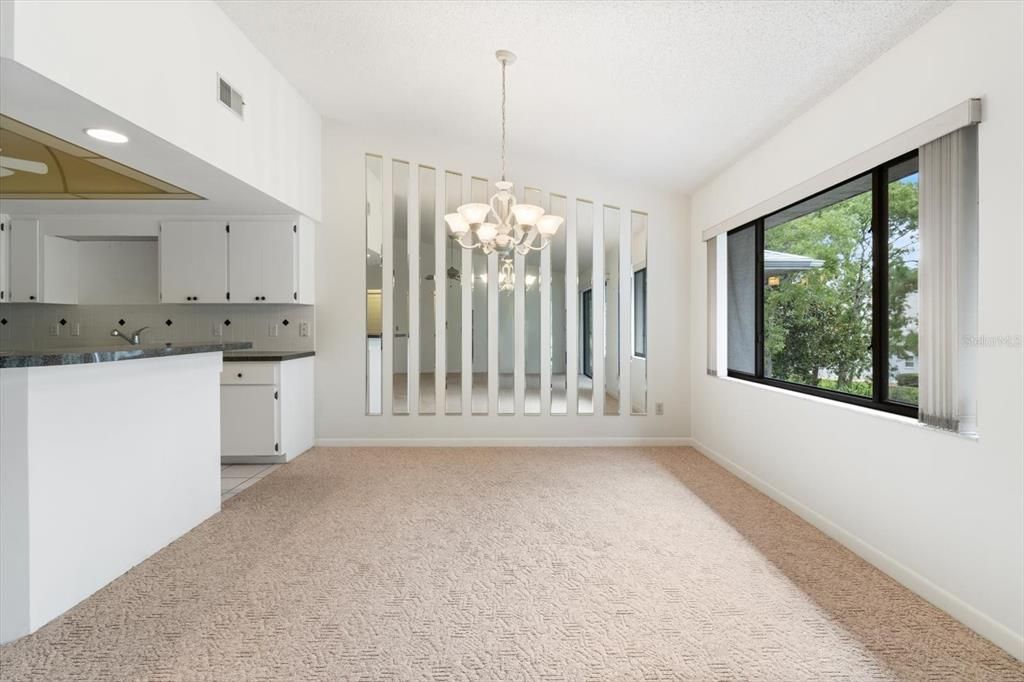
(303, 328)
(76, 329)
(272, 330)
(659, 409)
(54, 329)
(218, 329)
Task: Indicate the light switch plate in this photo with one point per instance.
(76, 329)
(272, 330)
(659, 409)
(54, 329)
(218, 329)
(303, 328)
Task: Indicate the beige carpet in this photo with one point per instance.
(540, 564)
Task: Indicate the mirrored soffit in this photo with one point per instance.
(37, 165)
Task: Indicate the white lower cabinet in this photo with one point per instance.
(266, 410)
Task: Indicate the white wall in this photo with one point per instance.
(340, 298)
(941, 513)
(156, 65)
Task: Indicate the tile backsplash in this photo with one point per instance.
(33, 326)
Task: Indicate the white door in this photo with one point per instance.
(245, 243)
(193, 262)
(24, 277)
(249, 420)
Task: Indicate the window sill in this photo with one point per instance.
(867, 411)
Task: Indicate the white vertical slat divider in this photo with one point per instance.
(467, 315)
(413, 257)
(440, 296)
(388, 290)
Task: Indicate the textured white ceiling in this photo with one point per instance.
(666, 93)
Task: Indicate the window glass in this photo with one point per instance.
(741, 299)
(818, 291)
(903, 299)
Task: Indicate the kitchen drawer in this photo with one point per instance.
(247, 373)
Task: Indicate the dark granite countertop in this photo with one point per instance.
(266, 355)
(50, 357)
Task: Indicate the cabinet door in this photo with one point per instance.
(24, 277)
(193, 262)
(245, 246)
(249, 420)
(279, 262)
(265, 253)
(60, 270)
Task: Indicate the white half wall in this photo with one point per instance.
(340, 372)
(941, 513)
(156, 65)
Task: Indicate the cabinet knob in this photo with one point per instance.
(257, 297)
(239, 375)
(31, 298)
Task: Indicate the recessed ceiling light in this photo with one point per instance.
(106, 135)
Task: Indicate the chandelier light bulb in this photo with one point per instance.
(487, 232)
(548, 225)
(474, 214)
(457, 224)
(527, 214)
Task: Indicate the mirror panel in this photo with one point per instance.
(560, 284)
(400, 286)
(480, 396)
(585, 307)
(374, 283)
(506, 334)
(531, 316)
(453, 300)
(428, 289)
(638, 355)
(611, 343)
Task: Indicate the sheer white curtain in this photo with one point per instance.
(948, 223)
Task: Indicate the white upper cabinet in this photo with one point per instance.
(194, 262)
(263, 262)
(24, 261)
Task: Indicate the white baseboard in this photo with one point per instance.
(503, 442)
(985, 626)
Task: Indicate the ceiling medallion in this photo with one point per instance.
(503, 226)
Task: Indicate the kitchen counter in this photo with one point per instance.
(97, 453)
(50, 357)
(266, 355)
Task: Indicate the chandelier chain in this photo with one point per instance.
(503, 124)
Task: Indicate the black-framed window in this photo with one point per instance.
(822, 294)
(640, 313)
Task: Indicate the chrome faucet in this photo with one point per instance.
(134, 338)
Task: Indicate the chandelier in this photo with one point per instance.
(502, 225)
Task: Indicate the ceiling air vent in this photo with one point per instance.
(230, 97)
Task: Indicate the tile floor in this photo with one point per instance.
(234, 478)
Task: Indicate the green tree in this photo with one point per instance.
(818, 321)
